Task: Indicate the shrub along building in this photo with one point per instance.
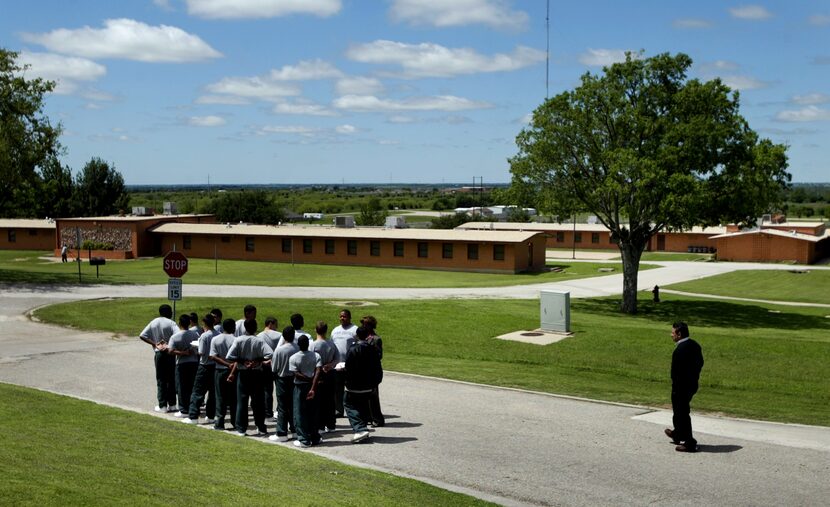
(458, 250)
(27, 234)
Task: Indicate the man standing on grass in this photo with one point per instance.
(272, 338)
(686, 363)
(343, 337)
(157, 334)
(326, 420)
(363, 374)
(305, 365)
(203, 386)
(284, 382)
(187, 362)
(247, 353)
(225, 389)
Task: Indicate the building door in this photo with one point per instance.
(661, 242)
(530, 255)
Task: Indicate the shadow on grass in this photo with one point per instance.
(708, 314)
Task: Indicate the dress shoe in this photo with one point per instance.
(686, 448)
(670, 433)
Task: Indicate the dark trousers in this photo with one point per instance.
(203, 386)
(680, 401)
(249, 387)
(268, 392)
(325, 401)
(339, 390)
(225, 398)
(185, 378)
(305, 415)
(374, 406)
(165, 379)
(285, 404)
(357, 410)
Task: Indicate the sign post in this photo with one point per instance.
(175, 265)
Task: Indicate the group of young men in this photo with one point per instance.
(225, 366)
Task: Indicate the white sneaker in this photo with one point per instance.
(277, 438)
(209, 421)
(180, 415)
(297, 443)
(240, 433)
(188, 421)
(172, 408)
(363, 435)
(160, 409)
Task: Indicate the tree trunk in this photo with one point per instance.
(631, 252)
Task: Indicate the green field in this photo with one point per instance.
(81, 453)
(27, 266)
(762, 361)
(812, 286)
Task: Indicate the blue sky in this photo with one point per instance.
(382, 91)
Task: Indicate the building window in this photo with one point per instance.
(249, 244)
(286, 245)
(577, 237)
(12, 236)
(374, 248)
(329, 247)
(307, 246)
(32, 232)
(423, 249)
(351, 247)
(187, 241)
(226, 239)
(446, 250)
(398, 248)
(472, 252)
(560, 237)
(594, 237)
(498, 252)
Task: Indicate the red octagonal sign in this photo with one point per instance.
(175, 264)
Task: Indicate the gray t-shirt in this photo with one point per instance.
(182, 341)
(219, 347)
(271, 337)
(305, 363)
(343, 339)
(279, 361)
(204, 347)
(249, 348)
(326, 349)
(160, 330)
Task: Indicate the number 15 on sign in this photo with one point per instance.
(174, 289)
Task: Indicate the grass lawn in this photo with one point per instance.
(759, 364)
(810, 287)
(80, 453)
(26, 266)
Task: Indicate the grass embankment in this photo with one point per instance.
(800, 284)
(27, 267)
(80, 453)
(758, 364)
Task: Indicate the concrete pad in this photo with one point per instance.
(791, 435)
(536, 337)
(568, 254)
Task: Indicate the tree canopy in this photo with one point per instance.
(644, 148)
(99, 190)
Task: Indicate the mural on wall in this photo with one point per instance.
(98, 238)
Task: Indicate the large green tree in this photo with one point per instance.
(28, 141)
(99, 190)
(644, 148)
(250, 206)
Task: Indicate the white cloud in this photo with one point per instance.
(303, 108)
(602, 57)
(345, 129)
(809, 113)
(719, 65)
(227, 100)
(400, 118)
(445, 13)
(253, 88)
(752, 12)
(236, 9)
(127, 39)
(306, 70)
(691, 23)
(370, 103)
(206, 121)
(163, 4)
(811, 99)
(433, 60)
(288, 129)
(820, 19)
(66, 71)
(737, 82)
(358, 85)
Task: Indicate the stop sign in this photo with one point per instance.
(175, 264)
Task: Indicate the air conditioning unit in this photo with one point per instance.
(395, 222)
(141, 211)
(345, 221)
(170, 208)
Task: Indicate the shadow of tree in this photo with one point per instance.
(708, 313)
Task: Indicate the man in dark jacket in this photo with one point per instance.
(686, 363)
(363, 373)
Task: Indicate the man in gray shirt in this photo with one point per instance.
(203, 385)
(225, 388)
(305, 365)
(325, 392)
(343, 337)
(247, 353)
(272, 338)
(157, 334)
(187, 362)
(284, 382)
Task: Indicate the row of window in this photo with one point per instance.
(447, 249)
(560, 237)
(12, 234)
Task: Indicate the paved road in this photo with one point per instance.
(513, 447)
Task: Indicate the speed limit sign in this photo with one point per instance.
(174, 289)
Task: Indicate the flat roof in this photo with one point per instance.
(26, 223)
(312, 231)
(132, 218)
(554, 227)
(775, 232)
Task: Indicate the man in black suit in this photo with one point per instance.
(686, 363)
